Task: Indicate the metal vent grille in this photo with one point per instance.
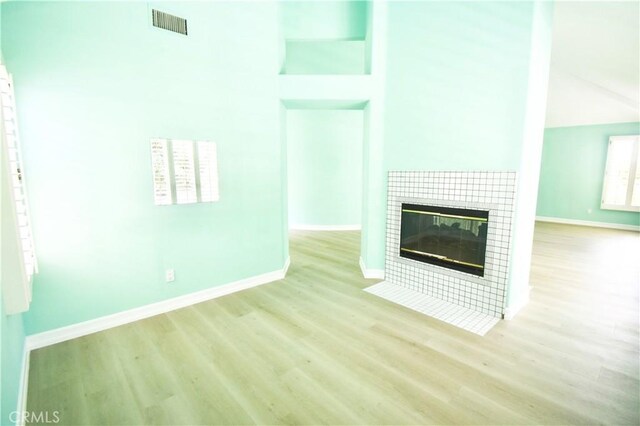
(169, 22)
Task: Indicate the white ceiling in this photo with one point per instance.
(595, 64)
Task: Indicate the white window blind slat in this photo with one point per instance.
(618, 169)
(185, 169)
(7, 99)
(208, 164)
(161, 174)
(621, 189)
(184, 172)
(16, 170)
(29, 265)
(10, 127)
(8, 113)
(27, 244)
(22, 221)
(24, 232)
(635, 190)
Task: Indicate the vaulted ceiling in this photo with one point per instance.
(595, 64)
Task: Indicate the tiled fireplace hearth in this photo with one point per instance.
(447, 251)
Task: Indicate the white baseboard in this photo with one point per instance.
(285, 268)
(325, 227)
(511, 311)
(24, 385)
(371, 273)
(73, 331)
(588, 223)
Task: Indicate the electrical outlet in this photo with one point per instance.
(589, 211)
(170, 275)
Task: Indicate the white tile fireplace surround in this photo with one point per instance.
(466, 300)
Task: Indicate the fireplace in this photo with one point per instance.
(454, 238)
(424, 272)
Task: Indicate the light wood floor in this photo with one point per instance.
(314, 348)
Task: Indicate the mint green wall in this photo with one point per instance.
(456, 90)
(325, 57)
(94, 81)
(571, 177)
(324, 20)
(324, 166)
(324, 37)
(455, 80)
(456, 85)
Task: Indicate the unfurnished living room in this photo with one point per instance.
(320, 212)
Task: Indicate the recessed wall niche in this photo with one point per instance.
(325, 37)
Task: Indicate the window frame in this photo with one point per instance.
(633, 172)
(201, 157)
(17, 233)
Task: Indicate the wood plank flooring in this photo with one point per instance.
(316, 349)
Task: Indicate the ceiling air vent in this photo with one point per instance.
(169, 22)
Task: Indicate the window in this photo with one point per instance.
(16, 170)
(160, 167)
(621, 190)
(184, 172)
(20, 259)
(208, 162)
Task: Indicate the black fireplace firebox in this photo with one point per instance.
(445, 236)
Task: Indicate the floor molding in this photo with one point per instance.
(326, 227)
(371, 274)
(285, 268)
(588, 223)
(40, 340)
(511, 311)
(451, 313)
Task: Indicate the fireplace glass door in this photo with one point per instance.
(445, 236)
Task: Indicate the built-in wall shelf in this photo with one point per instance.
(326, 37)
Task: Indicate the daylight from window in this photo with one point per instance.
(621, 189)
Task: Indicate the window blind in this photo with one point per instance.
(161, 174)
(208, 165)
(16, 171)
(621, 189)
(184, 171)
